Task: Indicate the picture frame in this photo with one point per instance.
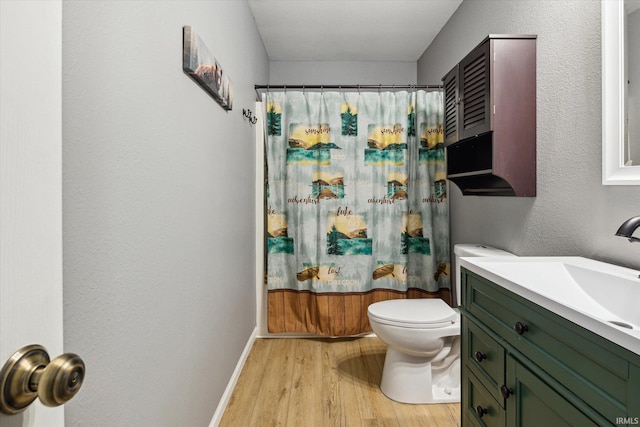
(199, 64)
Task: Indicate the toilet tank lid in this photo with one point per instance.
(413, 311)
(478, 250)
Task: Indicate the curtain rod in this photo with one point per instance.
(340, 87)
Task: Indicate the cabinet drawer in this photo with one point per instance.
(481, 408)
(485, 357)
(590, 366)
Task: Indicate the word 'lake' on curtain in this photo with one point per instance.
(357, 209)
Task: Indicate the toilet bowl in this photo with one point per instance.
(422, 364)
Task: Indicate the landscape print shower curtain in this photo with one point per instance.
(357, 210)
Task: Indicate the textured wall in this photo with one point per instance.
(573, 213)
(346, 72)
(158, 206)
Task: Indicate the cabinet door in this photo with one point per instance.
(534, 403)
(451, 101)
(475, 92)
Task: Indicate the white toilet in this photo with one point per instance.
(422, 364)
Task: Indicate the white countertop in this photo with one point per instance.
(589, 293)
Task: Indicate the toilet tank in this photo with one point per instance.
(472, 250)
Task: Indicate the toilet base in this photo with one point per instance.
(409, 379)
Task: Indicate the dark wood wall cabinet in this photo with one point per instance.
(490, 118)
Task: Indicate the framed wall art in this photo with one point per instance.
(199, 64)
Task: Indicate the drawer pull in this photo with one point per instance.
(505, 391)
(480, 411)
(520, 328)
(479, 356)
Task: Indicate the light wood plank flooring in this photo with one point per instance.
(323, 382)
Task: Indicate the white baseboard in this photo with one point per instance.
(226, 396)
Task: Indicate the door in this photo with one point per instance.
(31, 187)
(475, 92)
(534, 403)
(451, 107)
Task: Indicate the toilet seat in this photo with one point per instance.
(425, 313)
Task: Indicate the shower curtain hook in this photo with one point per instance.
(379, 87)
(358, 89)
(321, 89)
(285, 88)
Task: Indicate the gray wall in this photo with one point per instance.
(158, 206)
(342, 72)
(573, 214)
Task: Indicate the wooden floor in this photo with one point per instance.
(323, 382)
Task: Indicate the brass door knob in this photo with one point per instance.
(29, 373)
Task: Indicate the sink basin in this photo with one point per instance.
(601, 297)
(614, 293)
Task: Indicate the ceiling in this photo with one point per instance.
(349, 30)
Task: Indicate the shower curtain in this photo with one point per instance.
(357, 209)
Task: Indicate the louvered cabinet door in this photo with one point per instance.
(451, 103)
(475, 96)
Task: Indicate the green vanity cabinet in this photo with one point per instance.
(523, 365)
(535, 403)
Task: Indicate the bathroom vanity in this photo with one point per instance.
(539, 362)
